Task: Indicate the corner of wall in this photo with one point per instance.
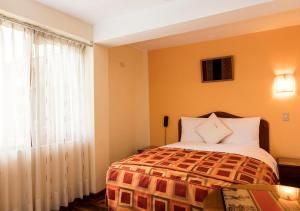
(101, 94)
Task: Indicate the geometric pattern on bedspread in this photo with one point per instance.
(178, 179)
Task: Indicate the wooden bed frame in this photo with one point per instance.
(263, 128)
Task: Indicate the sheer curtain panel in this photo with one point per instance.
(46, 124)
(15, 118)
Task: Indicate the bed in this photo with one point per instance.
(180, 176)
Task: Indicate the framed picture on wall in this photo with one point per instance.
(217, 69)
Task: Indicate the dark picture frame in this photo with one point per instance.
(217, 69)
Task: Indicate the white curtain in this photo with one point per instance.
(46, 120)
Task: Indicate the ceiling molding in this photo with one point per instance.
(265, 23)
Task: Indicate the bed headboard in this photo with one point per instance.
(263, 128)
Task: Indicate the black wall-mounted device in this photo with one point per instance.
(166, 124)
(166, 121)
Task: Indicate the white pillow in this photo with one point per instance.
(213, 130)
(188, 125)
(245, 131)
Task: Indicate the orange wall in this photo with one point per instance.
(121, 105)
(128, 102)
(176, 89)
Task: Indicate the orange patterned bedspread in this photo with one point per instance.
(174, 179)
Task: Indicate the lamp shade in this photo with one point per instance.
(288, 193)
(285, 84)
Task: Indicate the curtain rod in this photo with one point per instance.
(41, 29)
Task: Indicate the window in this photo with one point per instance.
(46, 120)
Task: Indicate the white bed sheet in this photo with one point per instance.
(250, 151)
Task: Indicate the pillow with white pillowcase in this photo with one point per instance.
(213, 130)
(188, 126)
(245, 131)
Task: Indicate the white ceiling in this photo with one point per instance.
(95, 11)
(119, 22)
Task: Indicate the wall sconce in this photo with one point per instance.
(288, 193)
(285, 84)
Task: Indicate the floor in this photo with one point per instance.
(94, 202)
